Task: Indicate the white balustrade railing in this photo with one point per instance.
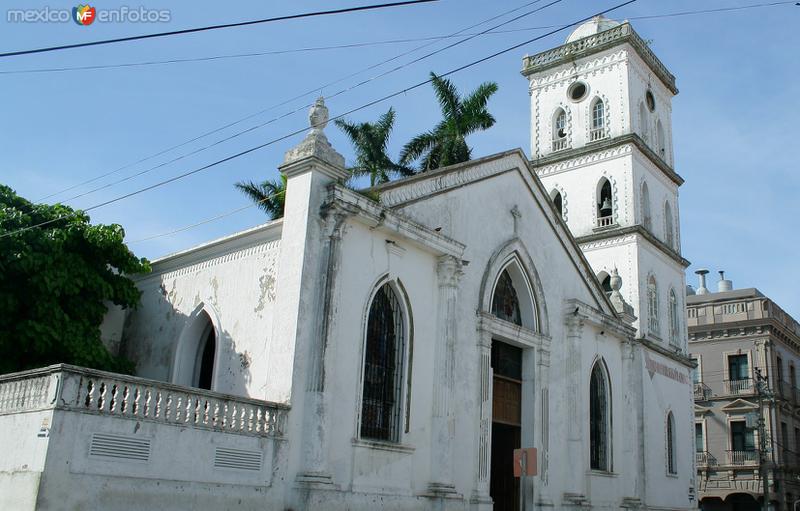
(560, 144)
(597, 134)
(605, 221)
(704, 459)
(128, 397)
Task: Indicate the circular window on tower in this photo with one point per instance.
(577, 91)
(651, 100)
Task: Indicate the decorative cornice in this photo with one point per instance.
(599, 151)
(377, 216)
(576, 310)
(570, 52)
(622, 232)
(674, 355)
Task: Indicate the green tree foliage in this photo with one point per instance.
(55, 281)
(446, 143)
(370, 140)
(269, 196)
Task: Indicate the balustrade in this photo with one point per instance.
(76, 388)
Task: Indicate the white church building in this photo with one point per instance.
(392, 355)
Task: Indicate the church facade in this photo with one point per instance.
(392, 355)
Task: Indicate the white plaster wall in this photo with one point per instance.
(234, 283)
(661, 189)
(669, 275)
(179, 474)
(366, 260)
(663, 394)
(23, 457)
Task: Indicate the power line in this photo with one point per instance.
(296, 132)
(362, 44)
(214, 27)
(250, 116)
(298, 109)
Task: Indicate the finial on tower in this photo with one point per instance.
(318, 116)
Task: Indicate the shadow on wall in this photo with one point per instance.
(193, 349)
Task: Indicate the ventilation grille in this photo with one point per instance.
(116, 447)
(237, 459)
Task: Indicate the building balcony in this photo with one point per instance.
(739, 387)
(559, 144)
(605, 221)
(701, 392)
(68, 427)
(704, 459)
(743, 458)
(596, 134)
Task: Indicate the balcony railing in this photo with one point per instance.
(740, 458)
(605, 221)
(701, 392)
(704, 459)
(736, 387)
(560, 144)
(597, 134)
(73, 388)
(786, 391)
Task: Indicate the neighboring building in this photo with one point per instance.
(733, 334)
(391, 355)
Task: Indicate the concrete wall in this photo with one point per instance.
(24, 444)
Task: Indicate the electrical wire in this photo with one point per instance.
(284, 102)
(296, 132)
(361, 44)
(270, 121)
(213, 27)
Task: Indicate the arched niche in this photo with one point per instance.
(196, 358)
(513, 260)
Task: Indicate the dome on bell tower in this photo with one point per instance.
(591, 27)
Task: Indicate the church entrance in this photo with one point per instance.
(506, 424)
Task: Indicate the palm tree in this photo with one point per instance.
(269, 196)
(369, 141)
(446, 143)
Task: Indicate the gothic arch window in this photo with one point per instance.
(512, 298)
(560, 130)
(384, 357)
(643, 120)
(652, 305)
(599, 418)
(672, 467)
(505, 304)
(669, 232)
(558, 202)
(647, 218)
(674, 325)
(598, 128)
(196, 353)
(605, 203)
(660, 141)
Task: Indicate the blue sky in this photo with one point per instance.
(734, 121)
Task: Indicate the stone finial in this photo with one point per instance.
(620, 305)
(316, 143)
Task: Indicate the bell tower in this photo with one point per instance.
(601, 142)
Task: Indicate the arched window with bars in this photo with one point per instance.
(560, 139)
(598, 128)
(669, 232)
(672, 466)
(674, 322)
(599, 418)
(384, 357)
(647, 217)
(652, 305)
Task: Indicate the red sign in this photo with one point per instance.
(525, 462)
